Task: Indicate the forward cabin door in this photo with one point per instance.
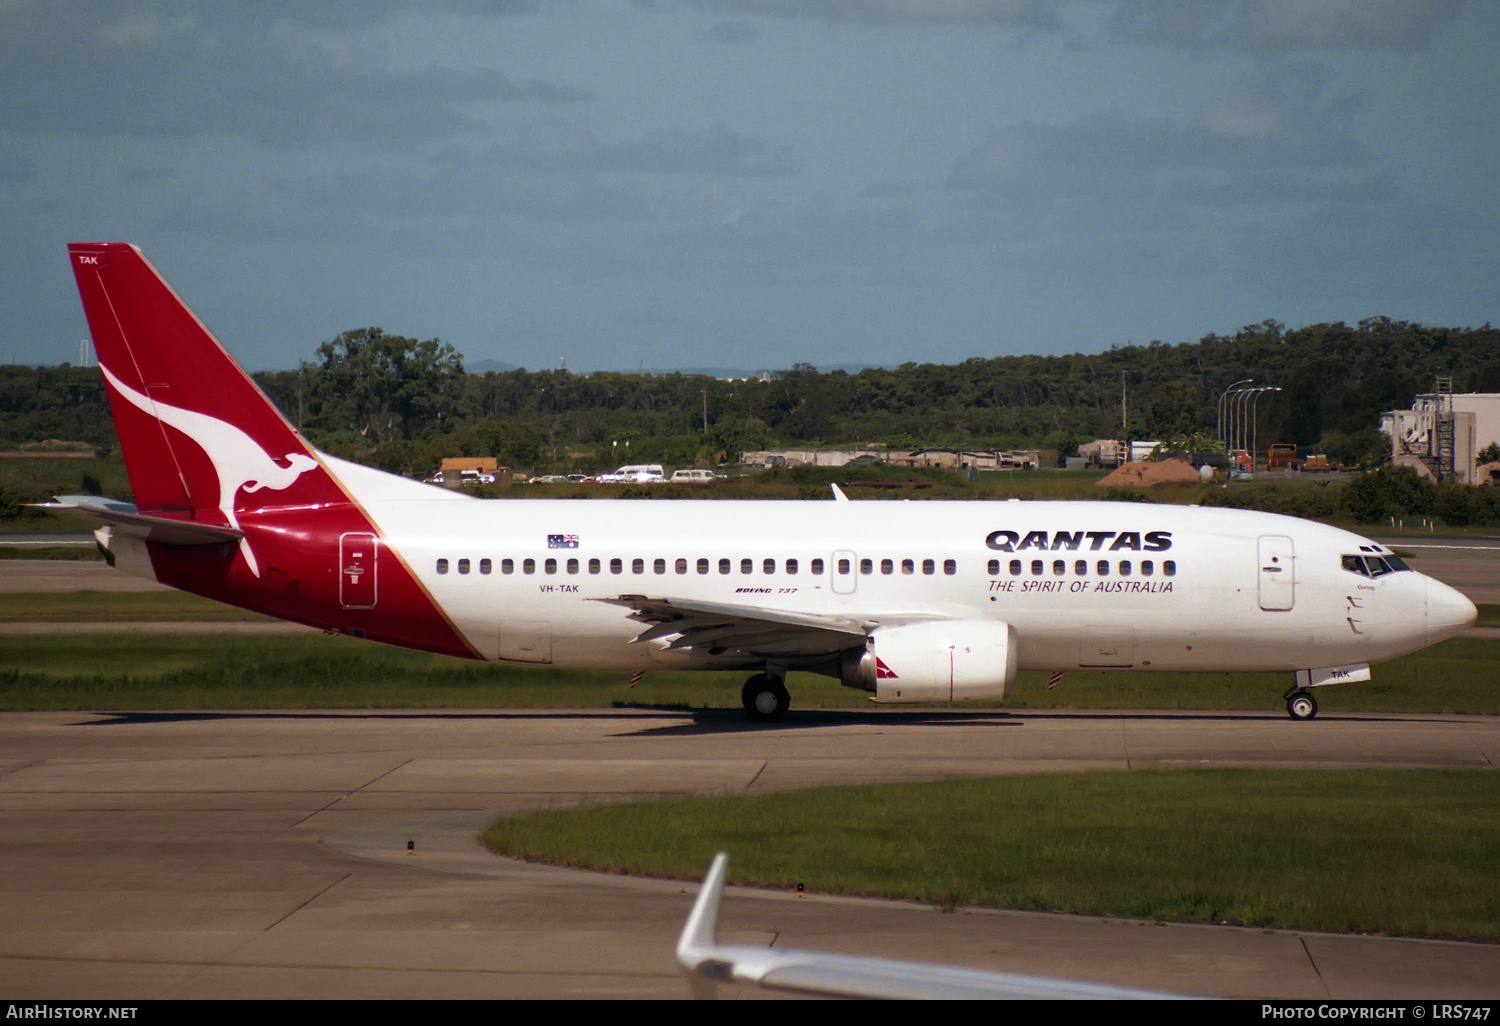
(357, 562)
(1277, 586)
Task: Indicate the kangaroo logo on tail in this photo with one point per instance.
(237, 459)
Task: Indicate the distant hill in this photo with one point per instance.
(486, 366)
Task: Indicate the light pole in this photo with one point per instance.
(1222, 396)
(1255, 424)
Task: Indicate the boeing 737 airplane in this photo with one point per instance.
(932, 602)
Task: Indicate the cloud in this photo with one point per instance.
(1030, 13)
(160, 70)
(14, 167)
(731, 33)
(555, 144)
(1282, 25)
(1276, 119)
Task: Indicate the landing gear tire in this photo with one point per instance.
(765, 699)
(1302, 705)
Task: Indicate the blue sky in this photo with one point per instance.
(744, 183)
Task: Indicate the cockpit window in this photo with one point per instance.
(1373, 566)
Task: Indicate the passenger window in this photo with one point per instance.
(681, 565)
(769, 566)
(442, 566)
(1169, 568)
(616, 566)
(724, 566)
(463, 566)
(817, 567)
(593, 566)
(1147, 568)
(572, 566)
(994, 568)
(659, 566)
(507, 566)
(485, 566)
(528, 566)
(929, 567)
(550, 566)
(637, 566)
(950, 567)
(1081, 567)
(908, 567)
(867, 566)
(1036, 567)
(702, 565)
(1015, 568)
(791, 566)
(1124, 568)
(1103, 568)
(843, 566)
(887, 566)
(747, 566)
(1059, 567)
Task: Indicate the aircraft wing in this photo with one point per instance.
(123, 518)
(721, 628)
(709, 963)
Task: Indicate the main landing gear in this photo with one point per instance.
(765, 698)
(1301, 704)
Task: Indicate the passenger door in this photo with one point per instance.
(1277, 575)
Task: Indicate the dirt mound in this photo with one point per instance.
(1148, 475)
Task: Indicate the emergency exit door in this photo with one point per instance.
(357, 562)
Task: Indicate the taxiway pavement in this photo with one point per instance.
(262, 854)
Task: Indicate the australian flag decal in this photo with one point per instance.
(562, 541)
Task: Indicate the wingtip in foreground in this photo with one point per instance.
(709, 963)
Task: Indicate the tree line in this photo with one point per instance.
(403, 403)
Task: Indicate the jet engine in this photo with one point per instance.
(935, 661)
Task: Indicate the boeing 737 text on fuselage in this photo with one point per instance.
(932, 602)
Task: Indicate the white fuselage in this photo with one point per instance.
(1085, 584)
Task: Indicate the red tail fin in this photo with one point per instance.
(194, 429)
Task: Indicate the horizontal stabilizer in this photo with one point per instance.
(124, 519)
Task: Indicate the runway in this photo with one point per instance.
(262, 854)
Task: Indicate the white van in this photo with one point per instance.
(635, 473)
(692, 476)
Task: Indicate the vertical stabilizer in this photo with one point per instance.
(193, 427)
(199, 438)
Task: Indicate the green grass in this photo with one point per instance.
(179, 671)
(73, 552)
(1409, 852)
(105, 606)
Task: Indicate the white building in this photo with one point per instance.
(1441, 433)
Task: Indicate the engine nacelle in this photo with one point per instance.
(936, 661)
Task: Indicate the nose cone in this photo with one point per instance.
(1448, 611)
